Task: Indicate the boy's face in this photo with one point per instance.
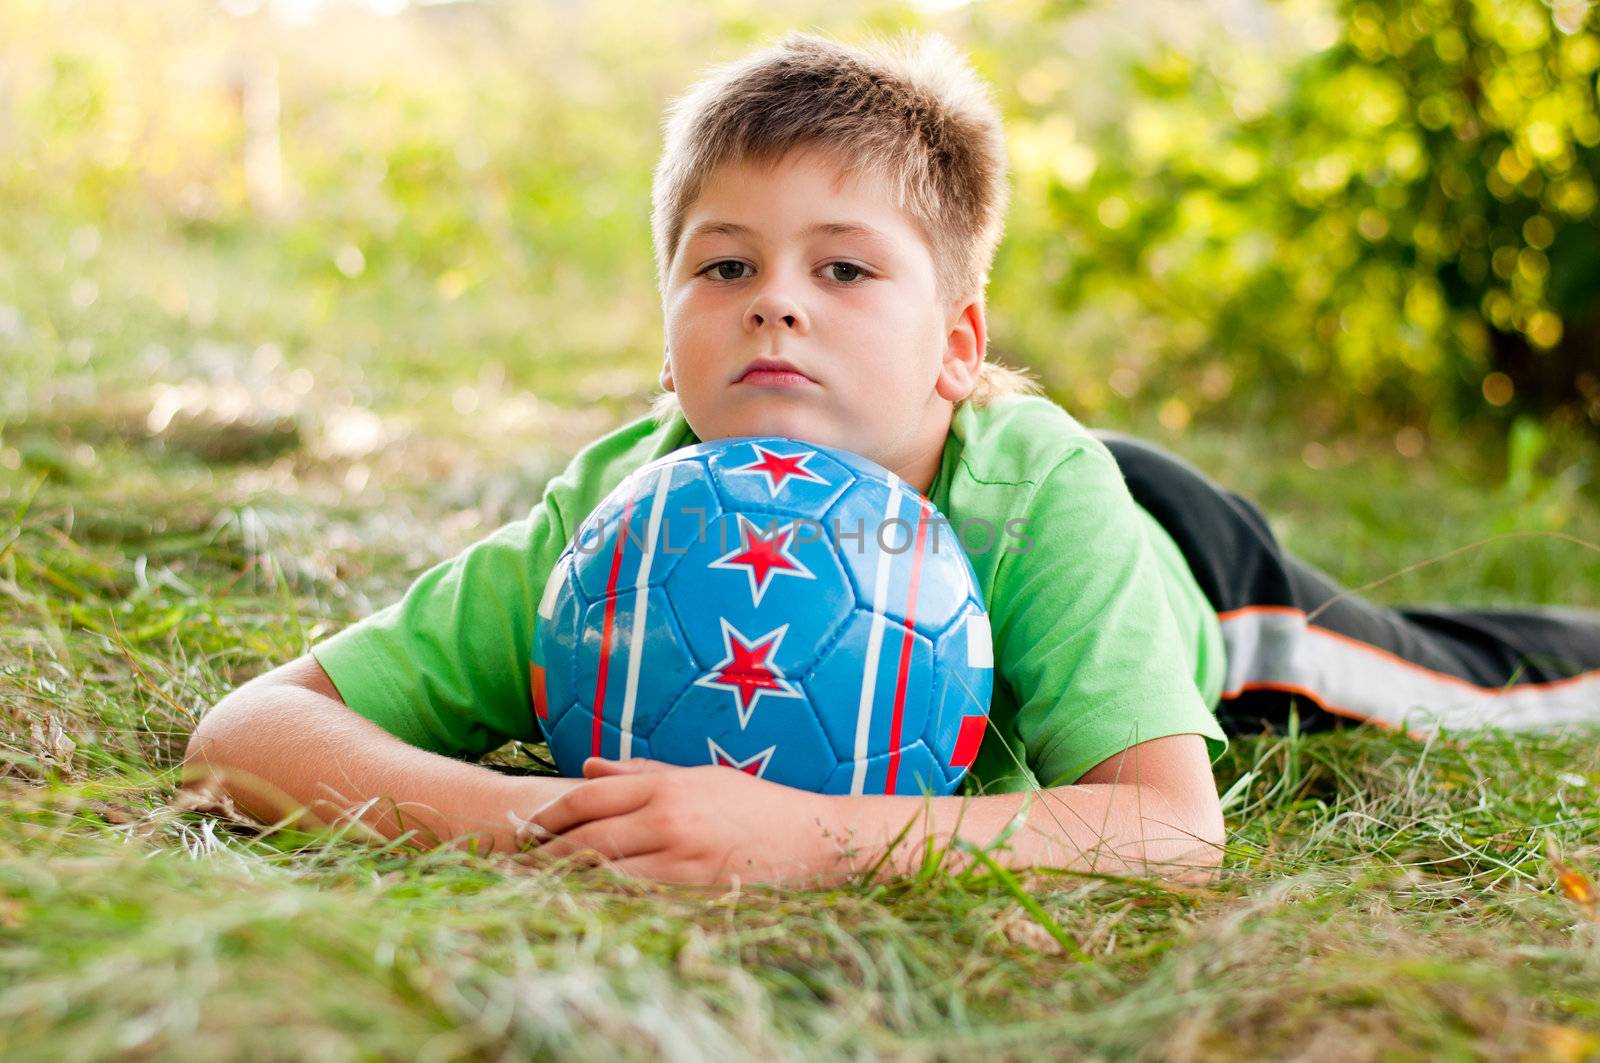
(758, 275)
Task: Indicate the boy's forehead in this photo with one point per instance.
(736, 201)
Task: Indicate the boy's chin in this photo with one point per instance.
(770, 419)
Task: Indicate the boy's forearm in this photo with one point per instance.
(274, 749)
(1122, 829)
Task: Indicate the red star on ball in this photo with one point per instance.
(755, 764)
(749, 671)
(780, 468)
(761, 557)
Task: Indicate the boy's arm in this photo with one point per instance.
(1152, 809)
(285, 745)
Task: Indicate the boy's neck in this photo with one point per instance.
(922, 474)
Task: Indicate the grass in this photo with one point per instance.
(207, 464)
(1382, 897)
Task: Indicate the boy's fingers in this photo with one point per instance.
(597, 767)
(599, 799)
(661, 866)
(611, 839)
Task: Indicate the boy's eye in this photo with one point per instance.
(716, 271)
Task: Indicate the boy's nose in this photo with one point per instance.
(775, 309)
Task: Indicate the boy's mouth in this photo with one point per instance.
(773, 372)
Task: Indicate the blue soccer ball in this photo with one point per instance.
(791, 610)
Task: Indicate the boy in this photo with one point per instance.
(824, 220)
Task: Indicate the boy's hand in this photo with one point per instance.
(708, 824)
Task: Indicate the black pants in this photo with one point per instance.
(1294, 635)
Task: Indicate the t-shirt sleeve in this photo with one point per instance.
(1084, 631)
(445, 668)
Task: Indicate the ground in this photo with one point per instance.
(186, 501)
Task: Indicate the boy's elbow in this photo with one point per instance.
(230, 768)
(1201, 862)
(1201, 866)
(202, 773)
(230, 738)
(251, 713)
(203, 741)
(1185, 841)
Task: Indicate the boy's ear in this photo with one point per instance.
(666, 372)
(965, 342)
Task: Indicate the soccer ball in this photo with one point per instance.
(791, 610)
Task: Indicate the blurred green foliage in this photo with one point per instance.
(1351, 205)
(1358, 213)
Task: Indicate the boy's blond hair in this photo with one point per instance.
(910, 112)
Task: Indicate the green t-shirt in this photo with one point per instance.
(1102, 639)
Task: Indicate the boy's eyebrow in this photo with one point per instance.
(826, 228)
